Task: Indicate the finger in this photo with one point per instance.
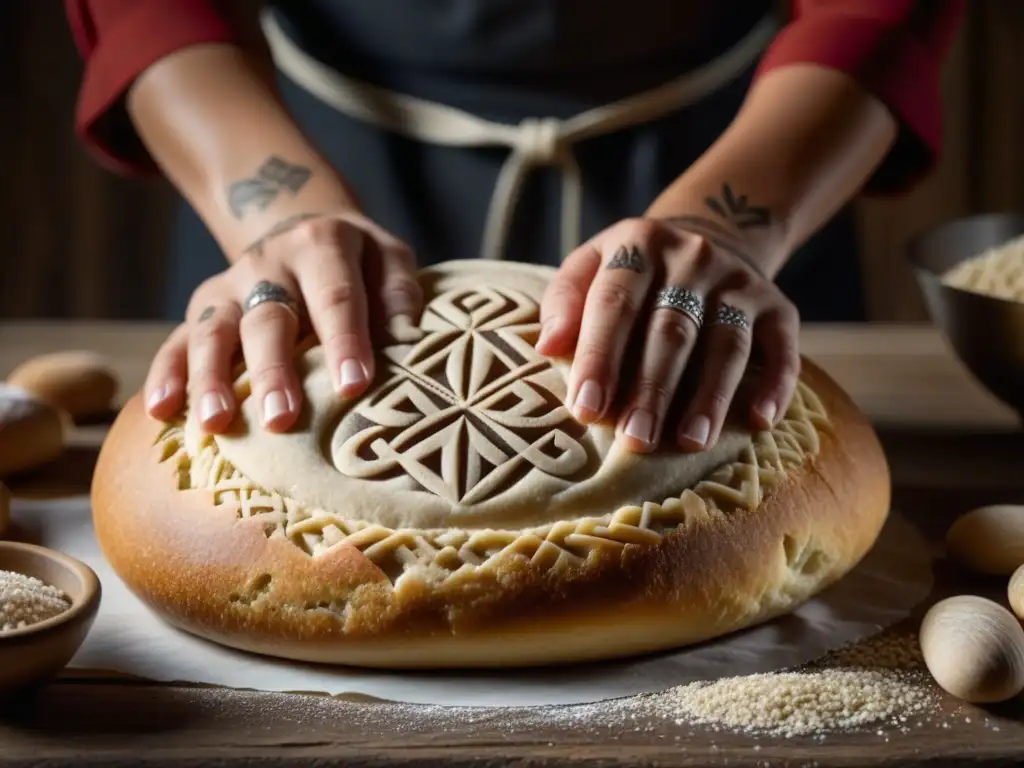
(609, 314)
(776, 336)
(670, 339)
(269, 332)
(393, 290)
(212, 344)
(333, 287)
(561, 308)
(726, 343)
(167, 378)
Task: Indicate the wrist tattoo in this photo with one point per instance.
(628, 258)
(285, 225)
(717, 235)
(273, 177)
(737, 210)
(734, 213)
(206, 314)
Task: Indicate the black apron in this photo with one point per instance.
(506, 60)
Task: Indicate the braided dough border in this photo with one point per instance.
(449, 555)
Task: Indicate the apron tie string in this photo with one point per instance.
(534, 142)
(537, 142)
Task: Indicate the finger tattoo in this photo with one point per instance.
(206, 314)
(628, 258)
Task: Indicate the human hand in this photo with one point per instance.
(337, 274)
(606, 293)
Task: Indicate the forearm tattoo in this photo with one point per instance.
(628, 258)
(285, 225)
(273, 177)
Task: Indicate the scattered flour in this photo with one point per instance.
(879, 687)
(798, 703)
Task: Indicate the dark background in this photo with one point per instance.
(79, 242)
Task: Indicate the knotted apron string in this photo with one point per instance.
(534, 142)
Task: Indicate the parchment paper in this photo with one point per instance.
(129, 639)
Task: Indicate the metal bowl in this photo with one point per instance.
(985, 333)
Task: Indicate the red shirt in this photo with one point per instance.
(894, 48)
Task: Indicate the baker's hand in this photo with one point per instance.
(652, 288)
(336, 275)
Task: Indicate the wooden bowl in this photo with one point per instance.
(35, 654)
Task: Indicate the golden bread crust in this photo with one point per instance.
(209, 569)
(80, 383)
(32, 431)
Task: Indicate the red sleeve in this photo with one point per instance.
(895, 49)
(120, 39)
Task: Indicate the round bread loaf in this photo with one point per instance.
(80, 383)
(31, 431)
(456, 515)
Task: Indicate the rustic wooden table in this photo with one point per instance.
(951, 447)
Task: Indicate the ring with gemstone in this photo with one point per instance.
(681, 300)
(726, 314)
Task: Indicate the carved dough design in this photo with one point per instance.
(456, 554)
(469, 407)
(490, 320)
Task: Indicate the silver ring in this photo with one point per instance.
(681, 300)
(726, 314)
(265, 291)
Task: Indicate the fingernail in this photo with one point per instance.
(767, 411)
(640, 425)
(588, 401)
(698, 429)
(352, 373)
(211, 406)
(157, 397)
(275, 404)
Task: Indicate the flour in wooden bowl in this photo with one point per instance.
(25, 600)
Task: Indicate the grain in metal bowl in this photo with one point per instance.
(971, 271)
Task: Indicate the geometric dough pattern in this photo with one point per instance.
(469, 405)
(452, 555)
